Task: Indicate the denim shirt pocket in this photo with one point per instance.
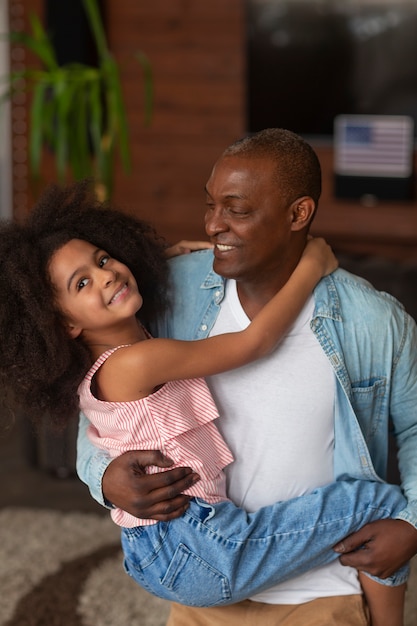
(368, 401)
(354, 453)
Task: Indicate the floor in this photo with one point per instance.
(40, 473)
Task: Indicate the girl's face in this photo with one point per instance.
(96, 293)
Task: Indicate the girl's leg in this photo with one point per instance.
(219, 554)
(386, 604)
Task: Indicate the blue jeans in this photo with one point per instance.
(220, 554)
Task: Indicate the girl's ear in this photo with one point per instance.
(74, 331)
(302, 212)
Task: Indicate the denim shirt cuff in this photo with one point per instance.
(399, 578)
(100, 462)
(409, 514)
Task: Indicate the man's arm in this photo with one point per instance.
(123, 481)
(91, 462)
(386, 545)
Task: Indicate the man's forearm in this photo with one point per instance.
(91, 462)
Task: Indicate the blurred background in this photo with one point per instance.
(195, 76)
(221, 70)
(216, 71)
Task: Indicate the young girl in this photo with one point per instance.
(79, 284)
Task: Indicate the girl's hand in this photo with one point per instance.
(185, 247)
(318, 251)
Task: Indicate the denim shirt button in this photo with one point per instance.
(217, 294)
(203, 326)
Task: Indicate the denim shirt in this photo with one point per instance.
(371, 343)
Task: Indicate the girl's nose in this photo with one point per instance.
(107, 277)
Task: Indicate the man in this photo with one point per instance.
(315, 410)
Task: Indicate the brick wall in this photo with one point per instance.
(23, 193)
(198, 59)
(197, 52)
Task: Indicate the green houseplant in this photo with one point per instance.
(77, 110)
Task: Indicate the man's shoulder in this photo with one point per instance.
(193, 289)
(357, 295)
(347, 280)
(199, 258)
(354, 283)
(194, 267)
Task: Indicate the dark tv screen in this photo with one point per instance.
(309, 61)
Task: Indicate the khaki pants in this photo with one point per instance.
(333, 611)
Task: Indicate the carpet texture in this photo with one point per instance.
(65, 569)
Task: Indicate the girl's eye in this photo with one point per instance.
(82, 283)
(103, 261)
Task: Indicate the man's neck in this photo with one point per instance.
(254, 297)
(255, 294)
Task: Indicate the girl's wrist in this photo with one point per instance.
(312, 267)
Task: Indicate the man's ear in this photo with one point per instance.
(302, 212)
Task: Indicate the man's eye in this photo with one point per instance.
(238, 211)
(103, 261)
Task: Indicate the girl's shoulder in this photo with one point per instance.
(120, 373)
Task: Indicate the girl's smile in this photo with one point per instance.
(121, 293)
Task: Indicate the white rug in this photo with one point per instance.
(65, 569)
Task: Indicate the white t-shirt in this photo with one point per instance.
(274, 412)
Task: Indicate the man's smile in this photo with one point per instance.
(223, 247)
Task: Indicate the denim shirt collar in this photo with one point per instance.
(213, 281)
(327, 303)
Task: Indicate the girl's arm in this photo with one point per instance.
(135, 371)
(185, 247)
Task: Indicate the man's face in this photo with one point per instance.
(248, 221)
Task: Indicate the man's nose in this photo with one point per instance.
(215, 222)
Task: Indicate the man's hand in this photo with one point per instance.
(149, 496)
(379, 548)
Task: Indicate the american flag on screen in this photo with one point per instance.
(373, 145)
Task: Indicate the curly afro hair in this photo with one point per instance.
(39, 363)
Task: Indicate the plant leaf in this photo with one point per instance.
(78, 111)
(94, 18)
(148, 85)
(117, 120)
(38, 42)
(36, 124)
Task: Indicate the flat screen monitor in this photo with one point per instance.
(309, 61)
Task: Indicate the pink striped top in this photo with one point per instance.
(176, 419)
